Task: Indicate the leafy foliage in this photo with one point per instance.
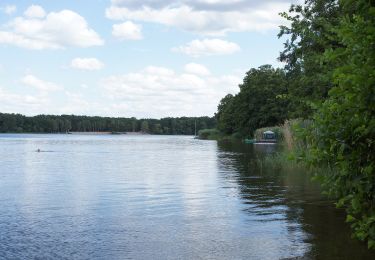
(331, 63)
(258, 104)
(225, 114)
(343, 131)
(309, 35)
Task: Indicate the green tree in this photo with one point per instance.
(157, 129)
(308, 36)
(63, 123)
(145, 127)
(343, 134)
(258, 104)
(226, 114)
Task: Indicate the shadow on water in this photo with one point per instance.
(279, 193)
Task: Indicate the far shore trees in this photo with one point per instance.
(15, 123)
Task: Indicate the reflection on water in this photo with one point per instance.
(287, 196)
(155, 197)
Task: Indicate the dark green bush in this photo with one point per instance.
(209, 134)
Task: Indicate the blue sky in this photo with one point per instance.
(152, 58)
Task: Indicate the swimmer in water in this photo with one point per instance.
(38, 150)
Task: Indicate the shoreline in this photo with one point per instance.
(93, 133)
(82, 133)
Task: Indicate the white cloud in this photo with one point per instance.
(42, 103)
(210, 17)
(167, 92)
(70, 103)
(9, 9)
(75, 104)
(198, 69)
(159, 71)
(222, 5)
(151, 92)
(127, 31)
(10, 97)
(11, 102)
(86, 64)
(41, 85)
(56, 31)
(207, 47)
(35, 11)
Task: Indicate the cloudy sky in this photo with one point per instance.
(151, 58)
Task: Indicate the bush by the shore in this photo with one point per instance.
(209, 134)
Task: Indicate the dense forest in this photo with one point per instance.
(15, 123)
(328, 81)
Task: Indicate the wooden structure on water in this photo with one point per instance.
(269, 137)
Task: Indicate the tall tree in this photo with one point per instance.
(225, 114)
(343, 134)
(258, 104)
(308, 36)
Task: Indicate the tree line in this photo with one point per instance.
(329, 81)
(258, 104)
(16, 123)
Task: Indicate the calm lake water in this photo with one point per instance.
(160, 197)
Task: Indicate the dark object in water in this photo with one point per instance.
(118, 133)
(249, 141)
(262, 141)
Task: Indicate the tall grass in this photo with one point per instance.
(290, 136)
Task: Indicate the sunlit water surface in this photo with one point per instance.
(160, 197)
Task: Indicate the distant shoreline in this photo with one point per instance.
(94, 133)
(83, 133)
(95, 125)
(107, 133)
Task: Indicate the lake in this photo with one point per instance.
(160, 197)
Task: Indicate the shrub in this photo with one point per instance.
(209, 134)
